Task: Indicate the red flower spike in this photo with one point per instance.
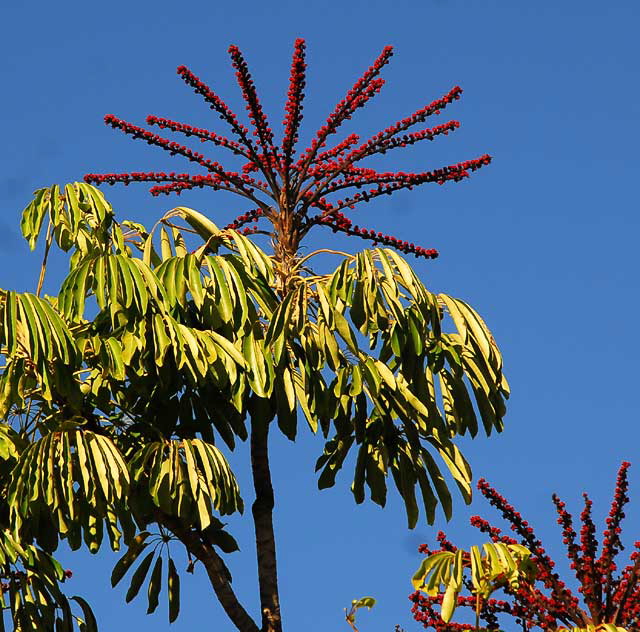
(203, 134)
(246, 218)
(611, 544)
(361, 92)
(289, 185)
(293, 107)
(216, 104)
(385, 140)
(254, 109)
(338, 150)
(338, 222)
(238, 184)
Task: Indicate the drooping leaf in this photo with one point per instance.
(173, 589)
(139, 576)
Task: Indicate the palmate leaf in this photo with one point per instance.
(255, 261)
(32, 329)
(142, 573)
(188, 479)
(136, 300)
(199, 354)
(75, 481)
(34, 214)
(151, 572)
(77, 213)
(202, 309)
(497, 565)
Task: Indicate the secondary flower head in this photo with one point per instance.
(608, 595)
(296, 191)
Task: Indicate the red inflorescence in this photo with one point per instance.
(253, 107)
(546, 602)
(307, 184)
(203, 134)
(293, 107)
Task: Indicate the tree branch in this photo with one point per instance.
(216, 570)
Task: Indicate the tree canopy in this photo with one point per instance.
(166, 347)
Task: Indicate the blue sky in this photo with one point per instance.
(543, 242)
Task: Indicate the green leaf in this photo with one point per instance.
(149, 255)
(363, 602)
(165, 244)
(173, 587)
(286, 402)
(345, 331)
(33, 216)
(139, 576)
(90, 624)
(224, 540)
(222, 296)
(448, 603)
(154, 586)
(124, 563)
(199, 222)
(178, 242)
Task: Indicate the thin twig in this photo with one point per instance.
(322, 250)
(43, 268)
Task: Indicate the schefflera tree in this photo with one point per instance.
(165, 347)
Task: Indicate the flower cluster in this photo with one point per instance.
(250, 216)
(254, 109)
(297, 192)
(339, 222)
(546, 602)
(293, 107)
(203, 134)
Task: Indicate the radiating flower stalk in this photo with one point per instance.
(609, 596)
(295, 191)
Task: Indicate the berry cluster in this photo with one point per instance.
(546, 602)
(298, 192)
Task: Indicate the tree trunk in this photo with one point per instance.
(262, 510)
(285, 246)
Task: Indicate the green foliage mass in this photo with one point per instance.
(121, 394)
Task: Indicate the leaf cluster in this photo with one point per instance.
(443, 572)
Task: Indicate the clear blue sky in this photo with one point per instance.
(543, 242)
